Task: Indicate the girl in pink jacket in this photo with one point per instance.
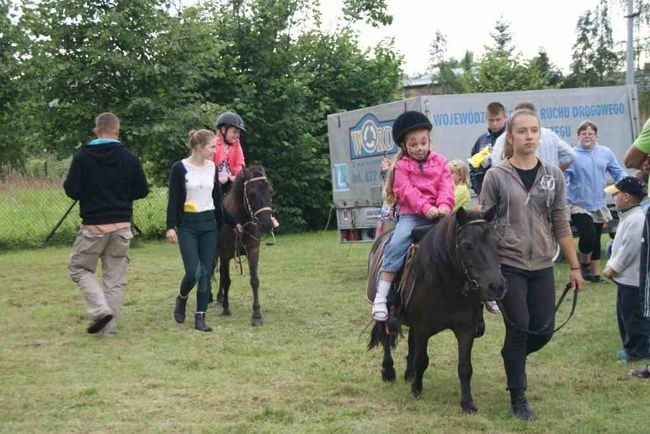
(422, 185)
(229, 157)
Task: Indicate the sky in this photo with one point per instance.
(467, 24)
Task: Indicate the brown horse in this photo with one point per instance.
(454, 269)
(249, 202)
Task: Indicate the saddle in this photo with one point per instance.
(402, 286)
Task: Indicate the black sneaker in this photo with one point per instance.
(99, 324)
(521, 409)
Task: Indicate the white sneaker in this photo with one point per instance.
(379, 311)
(492, 306)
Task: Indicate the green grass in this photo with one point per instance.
(29, 210)
(305, 370)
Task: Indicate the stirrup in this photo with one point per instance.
(380, 311)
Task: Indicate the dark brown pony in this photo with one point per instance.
(249, 202)
(454, 269)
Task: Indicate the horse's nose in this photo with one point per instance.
(498, 291)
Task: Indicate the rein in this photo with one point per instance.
(239, 242)
(548, 323)
(461, 264)
(249, 208)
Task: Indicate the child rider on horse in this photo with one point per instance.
(421, 184)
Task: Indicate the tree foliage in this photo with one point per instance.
(502, 39)
(595, 59)
(11, 144)
(165, 71)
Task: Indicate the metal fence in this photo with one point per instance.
(32, 203)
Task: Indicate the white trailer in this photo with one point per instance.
(359, 139)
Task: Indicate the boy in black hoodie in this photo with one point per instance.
(105, 178)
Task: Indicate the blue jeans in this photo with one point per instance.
(400, 241)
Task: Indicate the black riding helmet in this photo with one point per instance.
(230, 119)
(407, 122)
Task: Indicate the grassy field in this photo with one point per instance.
(305, 370)
(30, 208)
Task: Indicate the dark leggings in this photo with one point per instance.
(589, 233)
(197, 239)
(530, 304)
(634, 328)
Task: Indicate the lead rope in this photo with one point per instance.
(548, 323)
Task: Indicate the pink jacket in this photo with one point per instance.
(235, 156)
(421, 185)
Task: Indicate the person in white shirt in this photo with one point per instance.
(552, 149)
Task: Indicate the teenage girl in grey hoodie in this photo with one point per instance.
(531, 201)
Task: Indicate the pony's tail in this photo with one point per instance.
(378, 335)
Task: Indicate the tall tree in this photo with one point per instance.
(164, 72)
(132, 58)
(11, 144)
(288, 82)
(445, 71)
(502, 39)
(595, 60)
(546, 69)
(503, 69)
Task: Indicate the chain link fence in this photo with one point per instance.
(32, 203)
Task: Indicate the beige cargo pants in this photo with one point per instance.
(113, 249)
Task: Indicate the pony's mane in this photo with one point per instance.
(440, 245)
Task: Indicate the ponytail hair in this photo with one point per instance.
(389, 194)
(508, 146)
(198, 139)
(459, 172)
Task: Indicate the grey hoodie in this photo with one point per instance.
(626, 250)
(528, 221)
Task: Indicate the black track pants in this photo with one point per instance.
(530, 304)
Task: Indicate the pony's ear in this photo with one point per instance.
(461, 216)
(490, 213)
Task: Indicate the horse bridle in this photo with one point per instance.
(253, 213)
(475, 286)
(461, 264)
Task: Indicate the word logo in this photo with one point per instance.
(370, 137)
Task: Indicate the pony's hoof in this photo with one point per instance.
(226, 312)
(416, 392)
(468, 407)
(256, 322)
(388, 375)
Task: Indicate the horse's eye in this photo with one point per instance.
(466, 245)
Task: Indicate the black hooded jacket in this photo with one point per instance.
(105, 179)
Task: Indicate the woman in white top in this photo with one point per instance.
(194, 216)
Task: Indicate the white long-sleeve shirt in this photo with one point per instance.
(552, 149)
